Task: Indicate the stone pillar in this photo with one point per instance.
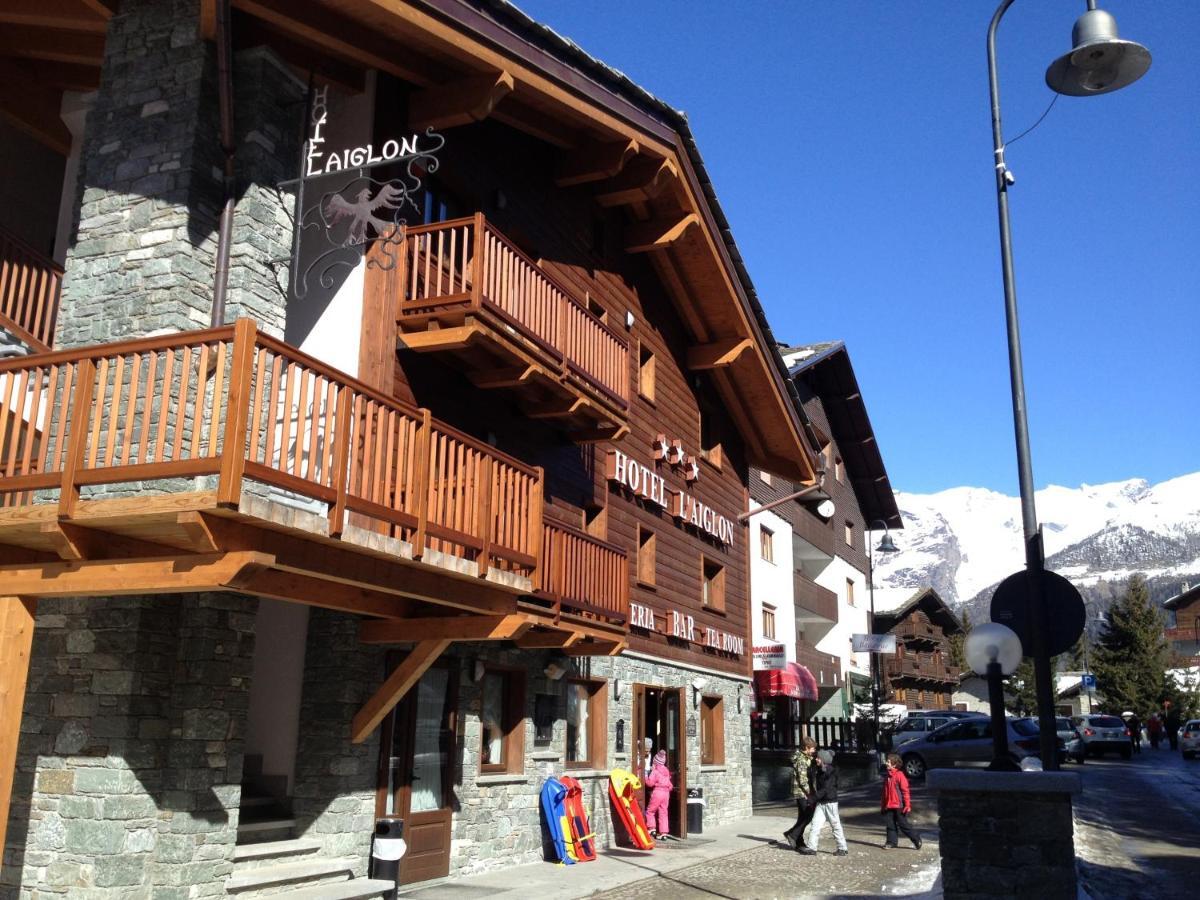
(334, 797)
(1006, 833)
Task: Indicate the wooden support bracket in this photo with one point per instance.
(504, 378)
(554, 411)
(640, 181)
(458, 103)
(392, 691)
(462, 628)
(546, 641)
(718, 354)
(658, 234)
(16, 641)
(155, 575)
(595, 162)
(75, 542)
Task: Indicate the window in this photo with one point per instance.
(710, 440)
(587, 723)
(502, 721)
(646, 373)
(597, 310)
(850, 533)
(646, 561)
(712, 592)
(764, 476)
(712, 731)
(850, 591)
(839, 470)
(766, 544)
(768, 623)
(595, 521)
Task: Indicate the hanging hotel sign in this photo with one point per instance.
(652, 487)
(769, 656)
(362, 210)
(873, 643)
(682, 626)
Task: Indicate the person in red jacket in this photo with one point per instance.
(896, 803)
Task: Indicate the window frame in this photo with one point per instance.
(597, 724)
(849, 535)
(712, 730)
(512, 728)
(768, 615)
(713, 455)
(712, 590)
(766, 544)
(647, 373)
(849, 591)
(646, 564)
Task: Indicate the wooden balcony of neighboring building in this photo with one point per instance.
(909, 669)
(813, 602)
(916, 632)
(227, 460)
(1183, 632)
(30, 291)
(815, 530)
(469, 293)
(826, 668)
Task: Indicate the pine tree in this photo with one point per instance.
(1020, 688)
(958, 644)
(1082, 654)
(1130, 656)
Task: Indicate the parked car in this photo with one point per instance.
(919, 723)
(968, 742)
(1074, 743)
(1189, 738)
(1103, 734)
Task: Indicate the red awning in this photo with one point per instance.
(793, 681)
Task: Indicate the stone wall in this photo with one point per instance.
(1006, 834)
(129, 766)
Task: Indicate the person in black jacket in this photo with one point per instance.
(825, 793)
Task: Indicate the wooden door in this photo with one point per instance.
(416, 767)
(658, 714)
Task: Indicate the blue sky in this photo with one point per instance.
(850, 146)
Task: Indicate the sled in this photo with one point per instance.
(582, 844)
(553, 805)
(623, 786)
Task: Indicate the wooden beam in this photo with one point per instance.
(195, 526)
(557, 409)
(503, 378)
(33, 108)
(640, 181)
(72, 541)
(62, 76)
(310, 591)
(597, 435)
(393, 690)
(17, 619)
(158, 575)
(56, 46)
(456, 628)
(659, 234)
(595, 162)
(250, 32)
(595, 648)
(718, 354)
(208, 19)
(103, 8)
(545, 641)
(63, 15)
(440, 338)
(459, 102)
(556, 132)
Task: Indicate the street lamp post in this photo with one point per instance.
(886, 545)
(1098, 63)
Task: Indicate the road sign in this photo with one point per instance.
(1065, 610)
(873, 643)
(1089, 682)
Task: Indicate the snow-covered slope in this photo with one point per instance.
(964, 540)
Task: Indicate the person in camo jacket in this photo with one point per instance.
(802, 790)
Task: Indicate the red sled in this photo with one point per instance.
(582, 839)
(623, 786)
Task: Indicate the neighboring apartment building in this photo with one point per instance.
(921, 674)
(1183, 622)
(398, 535)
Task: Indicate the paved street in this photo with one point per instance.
(1138, 827)
(775, 871)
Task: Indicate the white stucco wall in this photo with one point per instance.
(851, 619)
(771, 582)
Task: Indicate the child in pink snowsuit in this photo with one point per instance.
(659, 782)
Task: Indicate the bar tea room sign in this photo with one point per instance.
(682, 626)
(644, 482)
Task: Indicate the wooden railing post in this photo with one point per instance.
(343, 418)
(237, 412)
(79, 416)
(423, 449)
(478, 262)
(484, 501)
(536, 499)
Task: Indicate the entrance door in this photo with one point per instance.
(416, 765)
(658, 715)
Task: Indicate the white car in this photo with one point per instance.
(1189, 738)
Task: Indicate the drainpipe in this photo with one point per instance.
(229, 148)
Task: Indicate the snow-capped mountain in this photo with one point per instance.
(963, 541)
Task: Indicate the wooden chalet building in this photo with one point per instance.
(382, 393)
(1183, 623)
(921, 674)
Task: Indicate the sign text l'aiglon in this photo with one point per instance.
(652, 487)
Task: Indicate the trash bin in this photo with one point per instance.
(387, 847)
(695, 810)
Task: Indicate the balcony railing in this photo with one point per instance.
(815, 531)
(814, 599)
(912, 668)
(918, 631)
(583, 575)
(826, 667)
(30, 290)
(240, 406)
(467, 267)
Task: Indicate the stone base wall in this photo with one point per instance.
(129, 767)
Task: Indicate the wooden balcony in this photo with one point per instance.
(815, 530)
(826, 667)
(30, 290)
(469, 293)
(228, 460)
(921, 671)
(813, 602)
(917, 632)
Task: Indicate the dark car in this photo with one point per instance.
(968, 742)
(1074, 743)
(1103, 734)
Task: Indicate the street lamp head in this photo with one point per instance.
(1100, 62)
(887, 545)
(992, 642)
